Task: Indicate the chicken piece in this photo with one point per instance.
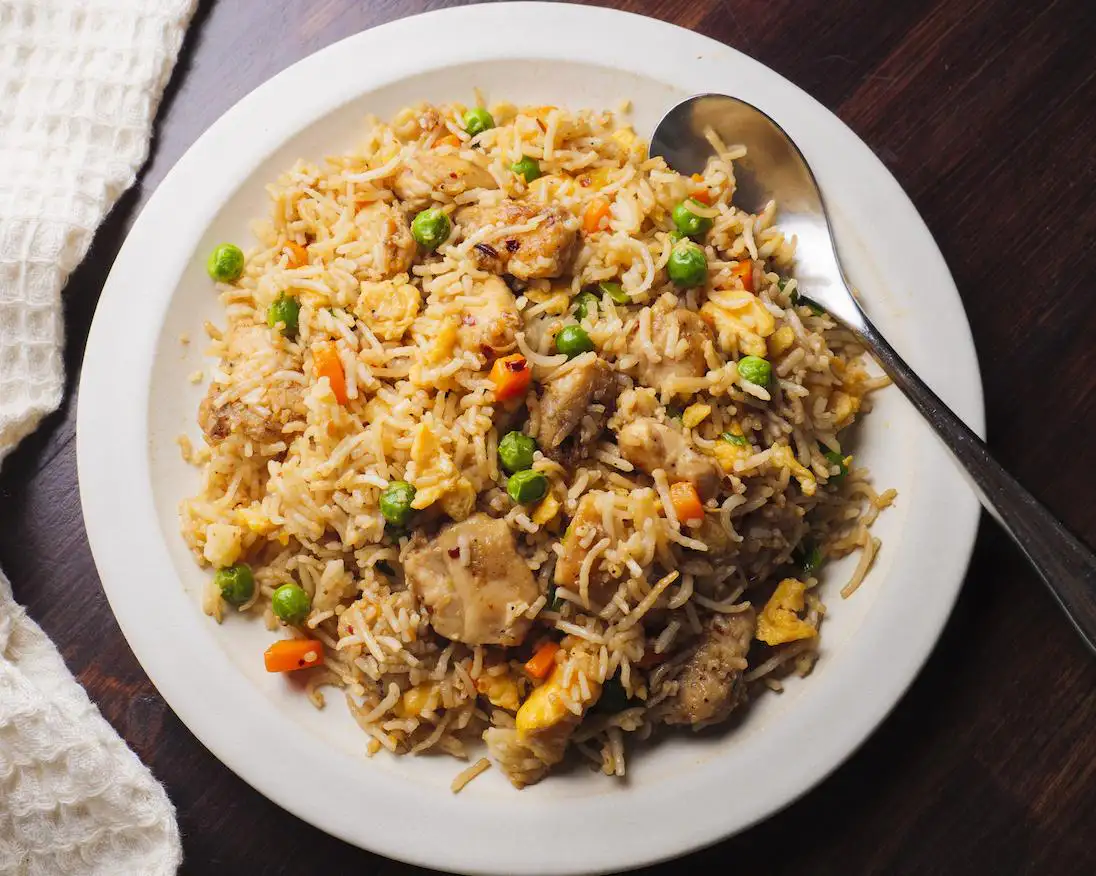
(711, 684)
(649, 445)
(383, 245)
(574, 409)
(473, 582)
(721, 545)
(250, 350)
(584, 531)
(679, 337)
(491, 319)
(543, 251)
(544, 723)
(425, 175)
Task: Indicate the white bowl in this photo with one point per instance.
(683, 791)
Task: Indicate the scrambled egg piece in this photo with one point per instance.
(501, 691)
(781, 340)
(728, 454)
(782, 456)
(222, 544)
(436, 477)
(544, 708)
(779, 621)
(546, 511)
(254, 519)
(595, 179)
(418, 699)
(844, 407)
(740, 320)
(388, 307)
(695, 414)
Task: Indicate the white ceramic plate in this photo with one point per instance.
(681, 793)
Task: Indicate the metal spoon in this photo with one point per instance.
(775, 169)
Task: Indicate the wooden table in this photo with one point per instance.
(985, 111)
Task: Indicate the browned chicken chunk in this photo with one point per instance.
(429, 172)
(491, 319)
(584, 531)
(261, 413)
(649, 445)
(574, 409)
(383, 246)
(544, 250)
(473, 582)
(711, 684)
(678, 336)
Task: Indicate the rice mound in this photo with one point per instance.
(641, 603)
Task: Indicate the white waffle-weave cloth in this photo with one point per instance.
(80, 81)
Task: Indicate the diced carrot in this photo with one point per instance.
(591, 219)
(511, 376)
(448, 140)
(745, 272)
(703, 195)
(326, 362)
(298, 255)
(686, 502)
(289, 655)
(542, 661)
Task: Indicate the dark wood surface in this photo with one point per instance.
(985, 111)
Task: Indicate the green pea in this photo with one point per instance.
(526, 487)
(516, 451)
(284, 309)
(527, 168)
(477, 120)
(613, 697)
(291, 603)
(687, 222)
(431, 228)
(834, 458)
(585, 304)
(676, 235)
(756, 370)
(573, 340)
(737, 440)
(396, 503)
(688, 266)
(615, 292)
(226, 263)
(808, 556)
(236, 583)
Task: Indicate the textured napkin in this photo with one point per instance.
(80, 81)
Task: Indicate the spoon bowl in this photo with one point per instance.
(774, 169)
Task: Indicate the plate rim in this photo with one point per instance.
(97, 462)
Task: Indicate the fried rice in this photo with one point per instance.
(663, 570)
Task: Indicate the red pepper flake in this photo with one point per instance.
(468, 319)
(486, 250)
(584, 181)
(515, 366)
(454, 552)
(512, 245)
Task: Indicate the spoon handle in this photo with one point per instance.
(1063, 561)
